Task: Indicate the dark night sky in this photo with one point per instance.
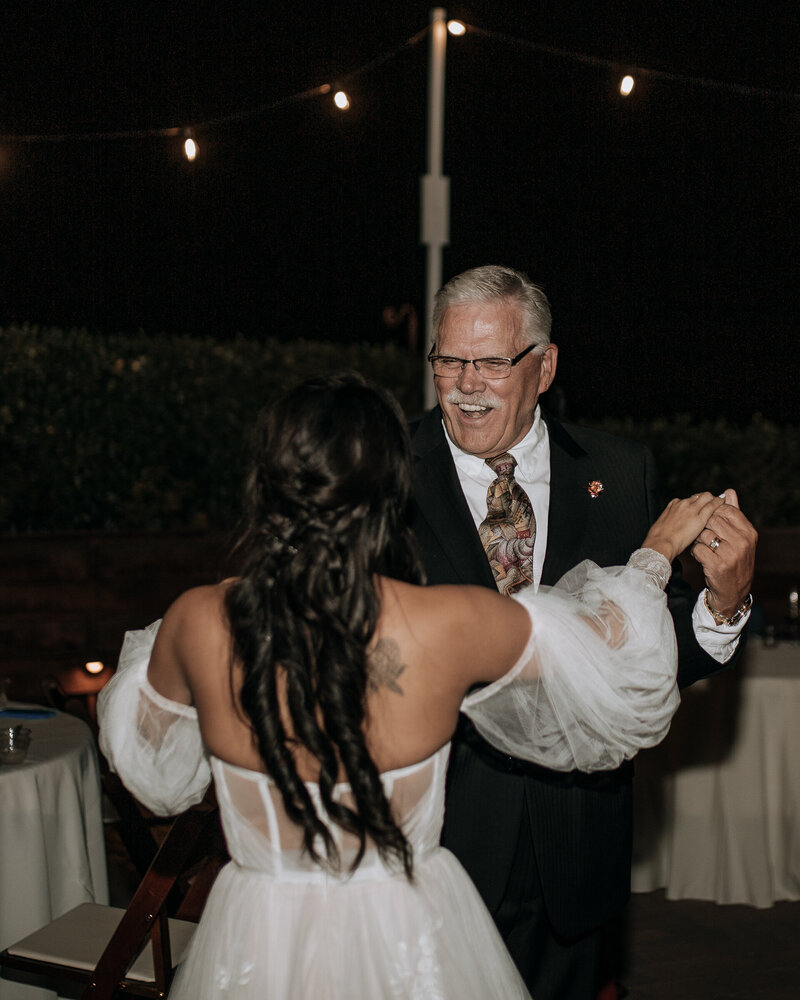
(663, 227)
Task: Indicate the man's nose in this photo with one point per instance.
(470, 379)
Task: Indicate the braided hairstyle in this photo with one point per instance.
(326, 510)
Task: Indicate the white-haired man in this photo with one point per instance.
(549, 852)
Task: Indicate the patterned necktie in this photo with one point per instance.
(509, 530)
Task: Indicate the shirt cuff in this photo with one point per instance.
(719, 641)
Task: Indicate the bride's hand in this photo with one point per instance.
(680, 523)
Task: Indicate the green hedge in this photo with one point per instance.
(139, 432)
(149, 432)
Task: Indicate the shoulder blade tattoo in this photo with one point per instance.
(384, 666)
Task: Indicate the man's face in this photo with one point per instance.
(486, 417)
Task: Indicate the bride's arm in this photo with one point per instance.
(596, 681)
(151, 741)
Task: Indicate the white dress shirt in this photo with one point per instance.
(532, 472)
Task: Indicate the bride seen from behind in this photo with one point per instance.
(320, 688)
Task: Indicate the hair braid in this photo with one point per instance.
(327, 502)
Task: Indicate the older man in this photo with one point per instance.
(507, 496)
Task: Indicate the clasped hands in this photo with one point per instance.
(720, 538)
(726, 549)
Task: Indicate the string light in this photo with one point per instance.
(190, 148)
(626, 85)
(455, 28)
(341, 100)
(655, 74)
(94, 667)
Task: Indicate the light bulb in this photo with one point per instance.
(626, 85)
(456, 28)
(341, 100)
(94, 667)
(190, 147)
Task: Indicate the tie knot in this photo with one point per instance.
(502, 465)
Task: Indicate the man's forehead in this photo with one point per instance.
(492, 324)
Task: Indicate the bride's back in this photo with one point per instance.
(427, 649)
(323, 660)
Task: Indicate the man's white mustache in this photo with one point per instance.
(455, 397)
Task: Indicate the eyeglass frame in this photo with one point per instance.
(476, 363)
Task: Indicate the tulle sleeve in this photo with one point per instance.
(597, 680)
(152, 743)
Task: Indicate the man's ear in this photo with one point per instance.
(547, 372)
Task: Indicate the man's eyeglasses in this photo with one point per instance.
(447, 367)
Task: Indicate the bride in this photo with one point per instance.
(320, 689)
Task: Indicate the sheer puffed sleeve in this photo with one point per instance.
(152, 743)
(597, 680)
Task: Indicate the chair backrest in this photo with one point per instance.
(133, 823)
(96, 946)
(73, 704)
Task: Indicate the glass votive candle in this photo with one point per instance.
(14, 743)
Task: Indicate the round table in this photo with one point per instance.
(52, 847)
(717, 804)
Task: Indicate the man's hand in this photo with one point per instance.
(726, 549)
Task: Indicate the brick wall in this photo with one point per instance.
(68, 598)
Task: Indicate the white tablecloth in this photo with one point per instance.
(52, 847)
(717, 805)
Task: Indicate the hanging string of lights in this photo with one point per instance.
(189, 133)
(631, 72)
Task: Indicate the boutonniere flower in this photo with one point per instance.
(595, 488)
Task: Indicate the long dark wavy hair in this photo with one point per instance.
(326, 510)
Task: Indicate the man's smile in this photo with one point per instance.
(475, 408)
(473, 405)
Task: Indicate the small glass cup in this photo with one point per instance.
(14, 743)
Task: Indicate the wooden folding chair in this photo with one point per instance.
(99, 952)
(133, 823)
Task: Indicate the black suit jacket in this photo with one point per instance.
(580, 823)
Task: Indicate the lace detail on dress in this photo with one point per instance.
(417, 973)
(226, 980)
(654, 564)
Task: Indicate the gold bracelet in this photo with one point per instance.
(737, 615)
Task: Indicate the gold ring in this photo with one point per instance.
(714, 543)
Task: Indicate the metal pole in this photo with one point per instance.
(435, 188)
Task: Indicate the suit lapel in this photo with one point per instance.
(441, 503)
(568, 509)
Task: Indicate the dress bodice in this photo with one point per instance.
(261, 837)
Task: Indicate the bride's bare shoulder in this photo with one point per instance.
(459, 623)
(454, 601)
(195, 627)
(199, 607)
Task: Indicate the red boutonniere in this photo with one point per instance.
(595, 488)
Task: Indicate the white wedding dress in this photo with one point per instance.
(276, 926)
